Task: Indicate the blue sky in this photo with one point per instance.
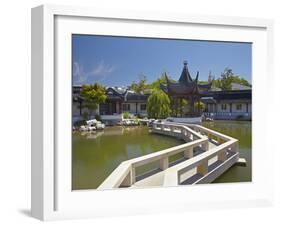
(118, 61)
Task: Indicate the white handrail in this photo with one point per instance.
(125, 174)
(173, 174)
(128, 166)
(198, 135)
(115, 179)
(165, 153)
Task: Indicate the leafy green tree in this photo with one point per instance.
(216, 83)
(199, 105)
(241, 81)
(93, 95)
(156, 84)
(141, 85)
(227, 78)
(161, 80)
(158, 105)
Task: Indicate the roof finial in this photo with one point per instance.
(210, 77)
(185, 62)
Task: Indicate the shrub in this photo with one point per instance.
(239, 117)
(80, 123)
(140, 116)
(126, 115)
(98, 118)
(85, 115)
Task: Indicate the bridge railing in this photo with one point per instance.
(196, 136)
(226, 154)
(228, 115)
(211, 134)
(177, 130)
(125, 173)
(201, 131)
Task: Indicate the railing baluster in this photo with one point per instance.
(203, 167)
(133, 175)
(188, 153)
(205, 146)
(222, 155)
(164, 163)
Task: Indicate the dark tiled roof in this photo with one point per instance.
(185, 77)
(186, 85)
(136, 97)
(236, 86)
(231, 95)
(114, 93)
(208, 100)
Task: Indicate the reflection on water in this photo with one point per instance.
(241, 130)
(95, 155)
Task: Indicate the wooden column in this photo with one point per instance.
(191, 104)
(187, 106)
(120, 107)
(80, 107)
(198, 104)
(176, 104)
(181, 106)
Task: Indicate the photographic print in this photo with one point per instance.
(153, 112)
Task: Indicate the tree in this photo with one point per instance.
(227, 78)
(161, 80)
(158, 105)
(241, 81)
(141, 85)
(200, 106)
(93, 95)
(156, 84)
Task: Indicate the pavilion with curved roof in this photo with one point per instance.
(187, 89)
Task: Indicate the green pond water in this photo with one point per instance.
(95, 155)
(241, 130)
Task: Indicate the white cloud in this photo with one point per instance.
(79, 76)
(97, 74)
(102, 69)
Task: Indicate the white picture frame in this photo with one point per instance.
(52, 197)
